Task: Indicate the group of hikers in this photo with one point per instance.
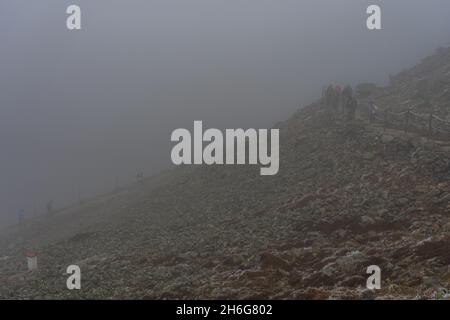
(337, 99)
(140, 177)
(21, 217)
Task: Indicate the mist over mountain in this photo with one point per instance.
(82, 112)
(350, 193)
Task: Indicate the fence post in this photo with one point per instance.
(407, 120)
(386, 118)
(430, 124)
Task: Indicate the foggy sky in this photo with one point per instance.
(80, 110)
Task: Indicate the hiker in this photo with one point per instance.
(140, 177)
(338, 93)
(372, 110)
(21, 216)
(351, 106)
(347, 94)
(50, 207)
(330, 94)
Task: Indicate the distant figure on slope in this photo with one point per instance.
(140, 177)
(338, 94)
(324, 94)
(372, 110)
(330, 96)
(347, 95)
(50, 207)
(21, 216)
(351, 107)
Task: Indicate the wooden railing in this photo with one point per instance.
(428, 125)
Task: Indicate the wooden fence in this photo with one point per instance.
(428, 125)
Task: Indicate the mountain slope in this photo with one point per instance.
(348, 195)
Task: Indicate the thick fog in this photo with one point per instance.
(83, 111)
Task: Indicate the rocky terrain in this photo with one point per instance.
(348, 195)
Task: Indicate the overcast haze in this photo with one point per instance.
(80, 110)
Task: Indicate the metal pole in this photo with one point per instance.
(386, 119)
(407, 121)
(430, 125)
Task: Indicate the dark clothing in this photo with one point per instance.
(329, 98)
(338, 102)
(50, 207)
(21, 216)
(351, 109)
(347, 94)
(333, 97)
(372, 111)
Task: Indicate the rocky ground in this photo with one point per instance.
(348, 195)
